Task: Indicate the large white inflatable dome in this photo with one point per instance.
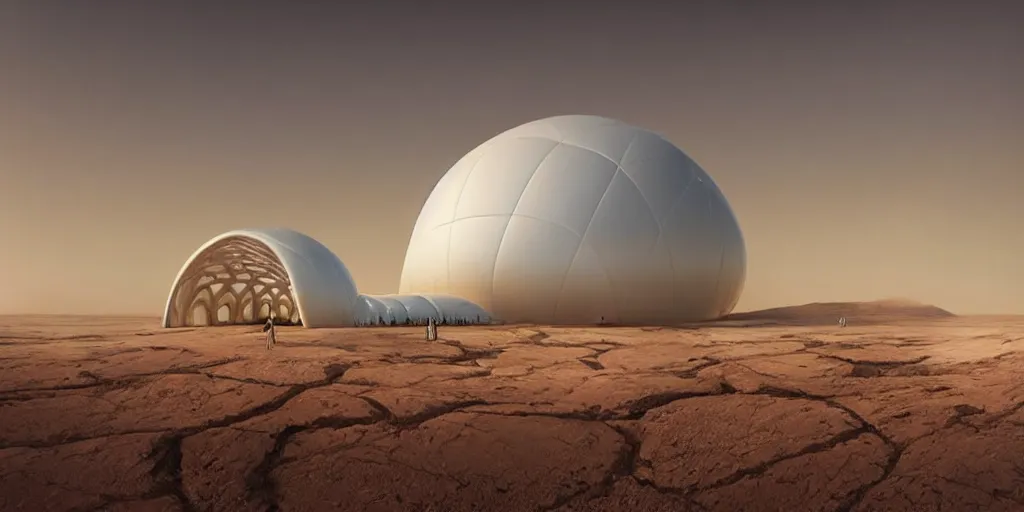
(579, 220)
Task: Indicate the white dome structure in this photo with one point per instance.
(579, 220)
(240, 277)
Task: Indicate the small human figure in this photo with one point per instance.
(842, 321)
(431, 329)
(271, 333)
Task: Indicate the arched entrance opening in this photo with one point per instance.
(237, 280)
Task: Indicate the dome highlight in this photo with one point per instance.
(579, 220)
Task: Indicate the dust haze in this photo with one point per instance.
(868, 151)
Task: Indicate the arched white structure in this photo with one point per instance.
(372, 312)
(575, 219)
(396, 308)
(418, 310)
(260, 266)
(241, 276)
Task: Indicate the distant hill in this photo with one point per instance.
(820, 313)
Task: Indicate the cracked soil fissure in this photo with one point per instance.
(167, 450)
(260, 481)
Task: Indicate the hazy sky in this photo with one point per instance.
(869, 149)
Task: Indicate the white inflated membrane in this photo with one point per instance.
(245, 276)
(418, 310)
(579, 219)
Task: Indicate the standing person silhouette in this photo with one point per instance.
(271, 333)
(431, 329)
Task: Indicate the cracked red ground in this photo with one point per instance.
(116, 414)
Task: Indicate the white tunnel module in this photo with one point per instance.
(245, 276)
(418, 310)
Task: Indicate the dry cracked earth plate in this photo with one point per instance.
(115, 414)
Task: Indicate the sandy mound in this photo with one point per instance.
(817, 313)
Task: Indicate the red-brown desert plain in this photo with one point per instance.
(904, 409)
